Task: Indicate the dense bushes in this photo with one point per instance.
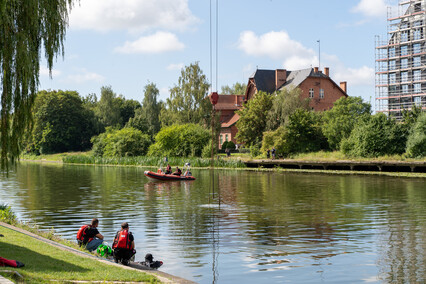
(187, 140)
(121, 143)
(375, 136)
(416, 144)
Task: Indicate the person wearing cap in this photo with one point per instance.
(123, 245)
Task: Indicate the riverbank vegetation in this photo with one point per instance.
(45, 263)
(117, 131)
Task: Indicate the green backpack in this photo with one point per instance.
(104, 250)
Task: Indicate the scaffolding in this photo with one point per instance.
(401, 60)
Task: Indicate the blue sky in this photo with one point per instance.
(127, 44)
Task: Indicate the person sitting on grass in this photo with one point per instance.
(123, 245)
(178, 172)
(89, 236)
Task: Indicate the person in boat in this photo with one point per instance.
(123, 245)
(89, 236)
(178, 172)
(168, 169)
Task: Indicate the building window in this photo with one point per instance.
(221, 140)
(417, 23)
(405, 89)
(404, 36)
(417, 34)
(226, 137)
(404, 50)
(321, 93)
(392, 78)
(417, 61)
(417, 75)
(416, 48)
(391, 52)
(404, 63)
(417, 88)
(404, 76)
(417, 101)
(392, 65)
(311, 93)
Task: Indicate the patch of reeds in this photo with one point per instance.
(154, 161)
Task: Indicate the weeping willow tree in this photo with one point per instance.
(27, 28)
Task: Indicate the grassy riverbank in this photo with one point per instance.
(45, 263)
(235, 161)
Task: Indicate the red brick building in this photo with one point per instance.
(315, 84)
(228, 105)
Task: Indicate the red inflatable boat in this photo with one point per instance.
(160, 175)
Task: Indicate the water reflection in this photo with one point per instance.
(253, 226)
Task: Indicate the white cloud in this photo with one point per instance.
(276, 45)
(374, 8)
(132, 15)
(177, 66)
(157, 43)
(44, 71)
(355, 76)
(84, 76)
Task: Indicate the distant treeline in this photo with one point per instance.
(113, 126)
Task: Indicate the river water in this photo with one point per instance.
(240, 226)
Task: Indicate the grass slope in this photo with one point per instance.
(44, 263)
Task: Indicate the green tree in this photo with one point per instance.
(284, 104)
(236, 89)
(61, 123)
(26, 29)
(180, 141)
(339, 121)
(128, 109)
(416, 143)
(108, 108)
(409, 117)
(147, 119)
(375, 136)
(253, 119)
(277, 139)
(188, 101)
(121, 143)
(303, 133)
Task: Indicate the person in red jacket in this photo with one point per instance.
(123, 245)
(89, 236)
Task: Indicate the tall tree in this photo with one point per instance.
(108, 108)
(339, 121)
(188, 102)
(151, 108)
(253, 118)
(26, 28)
(284, 104)
(61, 123)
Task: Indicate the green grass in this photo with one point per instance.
(44, 263)
(52, 157)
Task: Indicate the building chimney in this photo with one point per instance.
(343, 86)
(327, 71)
(280, 78)
(315, 70)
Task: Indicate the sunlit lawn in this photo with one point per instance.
(44, 263)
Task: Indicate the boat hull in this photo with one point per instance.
(163, 177)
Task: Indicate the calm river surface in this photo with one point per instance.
(262, 228)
